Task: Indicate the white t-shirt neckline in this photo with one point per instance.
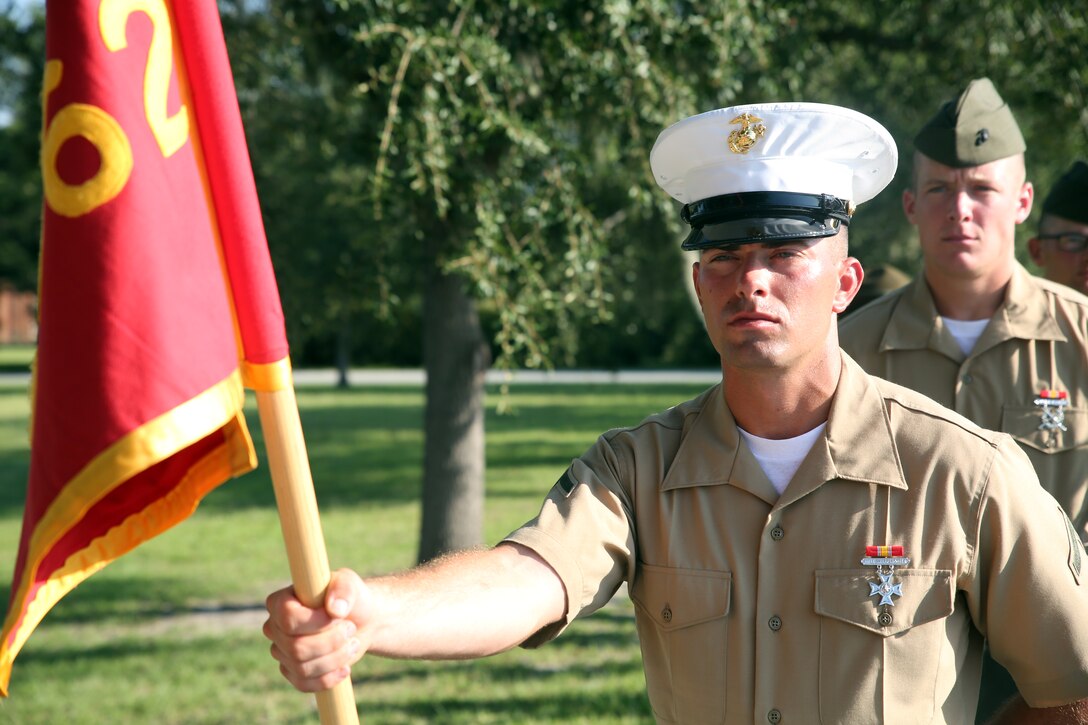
(780, 459)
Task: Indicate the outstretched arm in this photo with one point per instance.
(464, 605)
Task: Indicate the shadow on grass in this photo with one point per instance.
(122, 648)
(14, 470)
(574, 689)
(569, 683)
(114, 599)
(573, 704)
(493, 696)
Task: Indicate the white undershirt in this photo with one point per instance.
(966, 332)
(780, 459)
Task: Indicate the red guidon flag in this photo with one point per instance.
(157, 300)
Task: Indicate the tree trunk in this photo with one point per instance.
(456, 357)
(343, 352)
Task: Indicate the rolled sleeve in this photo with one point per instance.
(584, 532)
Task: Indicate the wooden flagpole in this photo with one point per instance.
(297, 504)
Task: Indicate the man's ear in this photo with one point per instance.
(908, 205)
(1027, 195)
(850, 276)
(695, 282)
(1035, 249)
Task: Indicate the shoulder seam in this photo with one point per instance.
(1063, 292)
(990, 437)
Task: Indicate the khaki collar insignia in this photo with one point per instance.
(742, 140)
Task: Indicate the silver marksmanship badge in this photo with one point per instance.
(885, 559)
(1052, 403)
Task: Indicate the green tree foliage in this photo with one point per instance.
(333, 270)
(507, 142)
(579, 91)
(22, 58)
(522, 131)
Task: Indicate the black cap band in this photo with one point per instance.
(762, 216)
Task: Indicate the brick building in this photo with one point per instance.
(18, 316)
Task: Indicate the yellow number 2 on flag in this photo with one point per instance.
(170, 132)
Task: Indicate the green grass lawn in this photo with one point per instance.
(170, 633)
(16, 358)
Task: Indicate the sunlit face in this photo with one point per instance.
(774, 306)
(967, 217)
(1059, 262)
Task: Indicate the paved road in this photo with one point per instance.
(390, 376)
(417, 377)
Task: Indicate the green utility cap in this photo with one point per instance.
(1069, 197)
(974, 128)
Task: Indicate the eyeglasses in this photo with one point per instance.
(1068, 242)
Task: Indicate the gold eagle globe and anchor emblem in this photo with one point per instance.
(742, 140)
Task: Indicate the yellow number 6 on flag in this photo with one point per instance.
(103, 132)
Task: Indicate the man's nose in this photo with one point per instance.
(960, 206)
(754, 278)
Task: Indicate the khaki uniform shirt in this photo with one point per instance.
(1037, 340)
(753, 607)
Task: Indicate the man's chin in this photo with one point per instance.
(752, 356)
(961, 266)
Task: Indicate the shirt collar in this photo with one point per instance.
(1024, 314)
(857, 445)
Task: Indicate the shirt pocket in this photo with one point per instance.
(1022, 423)
(872, 668)
(683, 628)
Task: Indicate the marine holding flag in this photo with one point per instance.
(803, 542)
(154, 277)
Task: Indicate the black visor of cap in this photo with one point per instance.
(762, 216)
